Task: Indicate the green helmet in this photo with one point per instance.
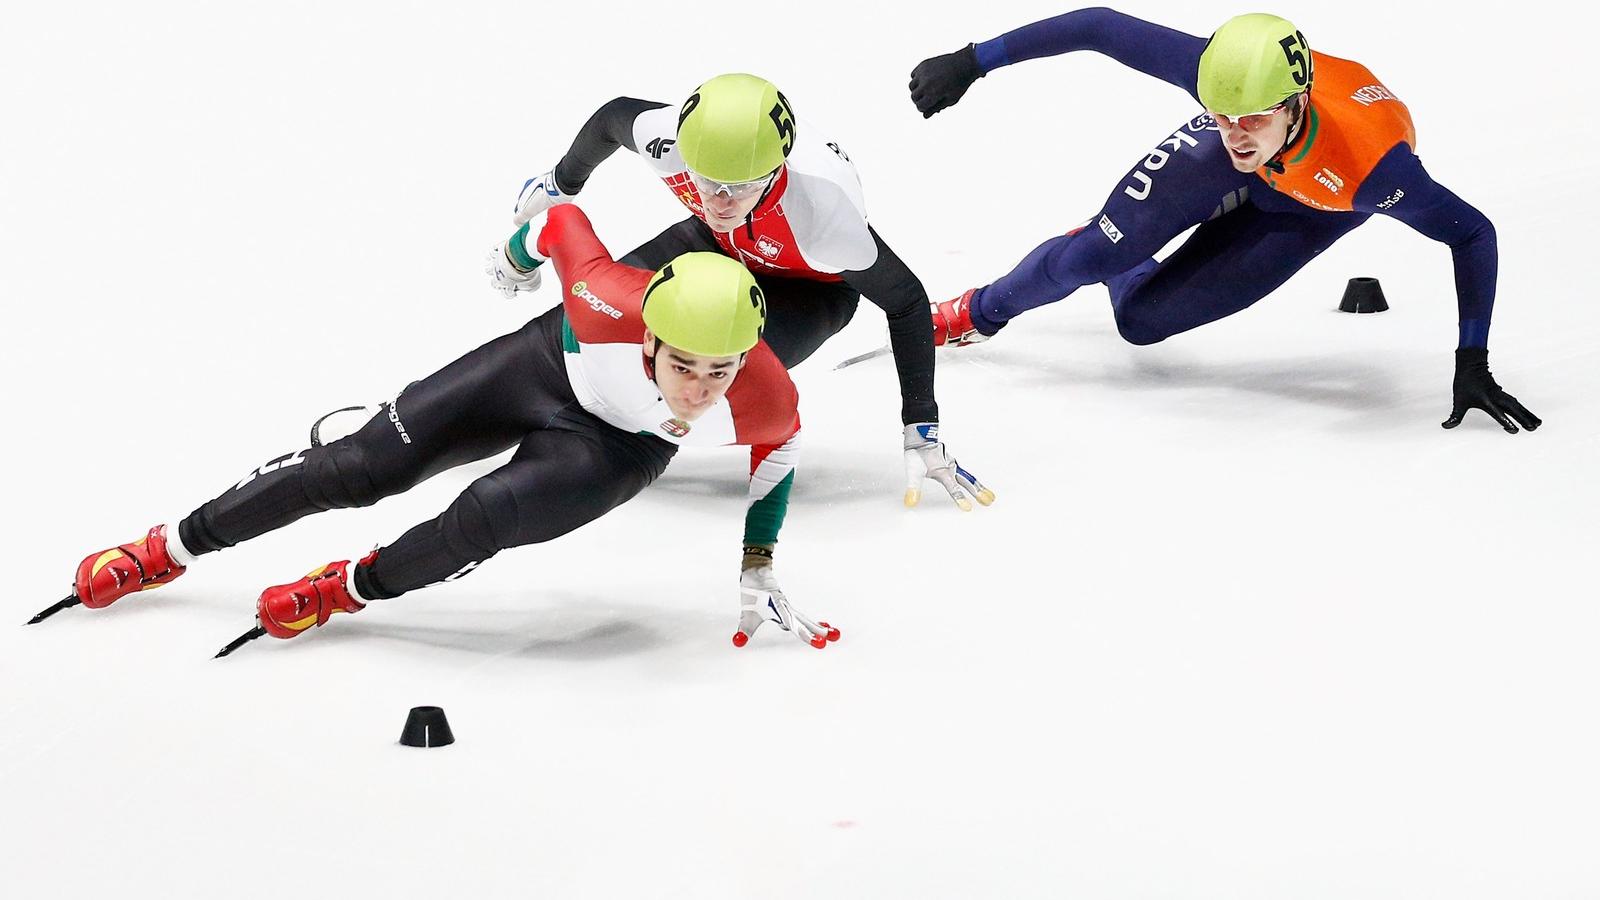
(706, 304)
(1253, 63)
(735, 128)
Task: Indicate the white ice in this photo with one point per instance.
(1244, 622)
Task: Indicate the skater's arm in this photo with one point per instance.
(567, 238)
(766, 418)
(607, 308)
(761, 600)
(767, 502)
(1401, 188)
(609, 128)
(1155, 50)
(890, 284)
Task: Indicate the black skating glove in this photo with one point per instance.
(1475, 389)
(939, 82)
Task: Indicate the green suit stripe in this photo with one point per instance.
(569, 341)
(765, 517)
(518, 251)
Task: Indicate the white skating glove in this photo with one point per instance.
(506, 277)
(761, 600)
(538, 195)
(927, 457)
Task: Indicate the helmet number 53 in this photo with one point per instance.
(1293, 47)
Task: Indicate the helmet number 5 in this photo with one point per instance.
(783, 118)
(1293, 45)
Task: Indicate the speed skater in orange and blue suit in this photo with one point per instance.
(1295, 149)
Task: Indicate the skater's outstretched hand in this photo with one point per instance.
(927, 457)
(505, 276)
(761, 600)
(537, 195)
(937, 83)
(1475, 388)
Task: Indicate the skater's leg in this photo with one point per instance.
(1228, 264)
(560, 479)
(802, 314)
(475, 407)
(1186, 179)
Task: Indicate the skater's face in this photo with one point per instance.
(1253, 140)
(691, 384)
(727, 205)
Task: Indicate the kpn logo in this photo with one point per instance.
(581, 289)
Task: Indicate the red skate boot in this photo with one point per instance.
(952, 322)
(285, 610)
(108, 576)
(289, 609)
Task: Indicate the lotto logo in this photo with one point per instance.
(769, 247)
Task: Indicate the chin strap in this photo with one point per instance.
(749, 217)
(1276, 164)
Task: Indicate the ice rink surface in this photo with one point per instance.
(1244, 622)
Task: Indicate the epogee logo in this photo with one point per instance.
(581, 289)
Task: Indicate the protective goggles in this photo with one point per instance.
(737, 190)
(1252, 122)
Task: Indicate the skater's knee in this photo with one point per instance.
(1140, 333)
(1141, 321)
(343, 475)
(483, 520)
(366, 466)
(1142, 316)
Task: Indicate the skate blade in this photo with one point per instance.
(240, 641)
(71, 601)
(871, 354)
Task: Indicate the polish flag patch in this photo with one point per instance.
(768, 247)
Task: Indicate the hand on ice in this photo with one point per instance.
(927, 457)
(761, 600)
(1475, 388)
